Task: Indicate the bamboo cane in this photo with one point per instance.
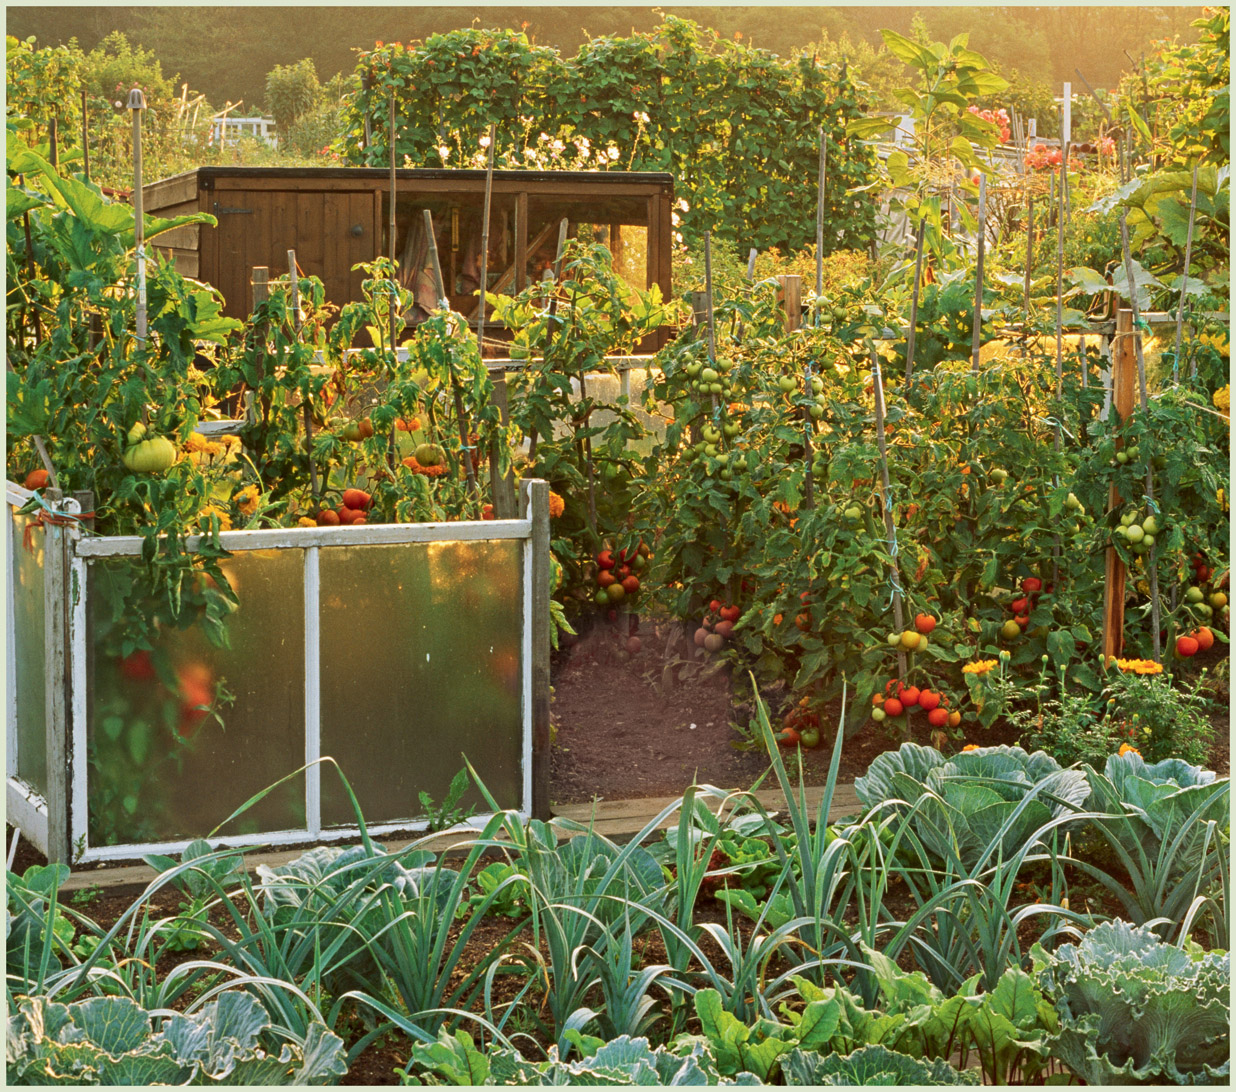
(976, 335)
(294, 283)
(912, 334)
(1184, 283)
(553, 310)
(890, 528)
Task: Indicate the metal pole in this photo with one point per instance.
(137, 103)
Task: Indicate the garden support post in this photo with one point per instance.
(1124, 385)
(790, 293)
(918, 276)
(977, 332)
(534, 506)
(56, 595)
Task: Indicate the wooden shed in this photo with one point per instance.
(335, 217)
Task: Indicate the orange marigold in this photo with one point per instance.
(247, 500)
(971, 747)
(556, 505)
(429, 471)
(1126, 749)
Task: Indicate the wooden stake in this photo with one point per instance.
(460, 418)
(918, 276)
(1029, 258)
(1060, 298)
(85, 137)
(137, 103)
(976, 337)
(712, 329)
(1124, 378)
(393, 305)
(890, 528)
(294, 282)
(1184, 283)
(553, 310)
(1144, 403)
(819, 226)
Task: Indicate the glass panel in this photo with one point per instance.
(421, 664)
(162, 768)
(619, 223)
(608, 388)
(29, 617)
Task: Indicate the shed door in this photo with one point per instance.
(329, 230)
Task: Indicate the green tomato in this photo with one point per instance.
(787, 384)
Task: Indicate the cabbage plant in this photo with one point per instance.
(978, 806)
(1169, 827)
(112, 1040)
(1136, 1010)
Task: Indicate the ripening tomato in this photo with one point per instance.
(928, 699)
(1031, 585)
(1186, 646)
(924, 623)
(1204, 638)
(937, 718)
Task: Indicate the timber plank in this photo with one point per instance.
(618, 820)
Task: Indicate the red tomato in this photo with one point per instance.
(924, 623)
(893, 707)
(938, 718)
(909, 695)
(1031, 584)
(1187, 646)
(928, 699)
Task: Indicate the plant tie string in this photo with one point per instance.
(45, 515)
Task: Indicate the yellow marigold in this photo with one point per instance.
(1140, 667)
(1126, 749)
(556, 505)
(247, 500)
(1222, 398)
(196, 442)
(1218, 342)
(971, 747)
(979, 667)
(225, 520)
(305, 521)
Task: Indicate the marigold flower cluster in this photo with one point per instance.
(556, 505)
(428, 471)
(1138, 667)
(1126, 749)
(225, 520)
(247, 500)
(978, 667)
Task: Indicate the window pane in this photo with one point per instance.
(29, 615)
(421, 664)
(159, 769)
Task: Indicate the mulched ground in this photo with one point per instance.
(646, 724)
